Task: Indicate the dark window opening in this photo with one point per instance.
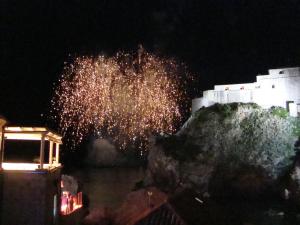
(288, 105)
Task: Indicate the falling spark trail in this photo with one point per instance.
(125, 97)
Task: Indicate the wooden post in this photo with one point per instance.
(57, 152)
(2, 148)
(50, 152)
(42, 151)
(2, 139)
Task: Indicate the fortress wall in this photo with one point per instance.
(292, 71)
(279, 88)
(198, 103)
(239, 96)
(234, 87)
(209, 95)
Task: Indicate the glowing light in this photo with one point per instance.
(70, 203)
(27, 166)
(126, 97)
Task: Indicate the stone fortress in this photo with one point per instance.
(281, 87)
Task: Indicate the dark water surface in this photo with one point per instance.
(108, 186)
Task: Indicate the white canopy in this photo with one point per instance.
(31, 133)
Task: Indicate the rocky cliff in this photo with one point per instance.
(230, 149)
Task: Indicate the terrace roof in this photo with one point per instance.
(31, 133)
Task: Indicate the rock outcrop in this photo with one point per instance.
(102, 153)
(230, 149)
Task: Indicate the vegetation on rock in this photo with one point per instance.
(223, 146)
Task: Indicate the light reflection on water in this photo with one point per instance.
(108, 186)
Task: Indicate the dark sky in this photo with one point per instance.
(222, 41)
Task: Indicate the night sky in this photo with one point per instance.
(226, 41)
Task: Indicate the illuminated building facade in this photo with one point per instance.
(281, 87)
(30, 191)
(71, 197)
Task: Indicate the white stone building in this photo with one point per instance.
(281, 87)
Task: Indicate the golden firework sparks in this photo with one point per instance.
(126, 97)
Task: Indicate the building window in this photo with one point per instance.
(242, 88)
(257, 87)
(227, 88)
(273, 86)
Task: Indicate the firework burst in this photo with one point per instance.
(126, 97)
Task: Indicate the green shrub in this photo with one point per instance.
(279, 111)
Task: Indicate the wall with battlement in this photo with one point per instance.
(281, 87)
